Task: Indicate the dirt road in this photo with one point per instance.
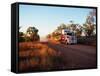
(76, 56)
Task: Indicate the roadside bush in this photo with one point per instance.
(89, 40)
(21, 39)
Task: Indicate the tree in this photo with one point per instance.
(63, 26)
(72, 26)
(89, 26)
(89, 29)
(21, 36)
(71, 21)
(32, 32)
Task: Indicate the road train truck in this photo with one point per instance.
(68, 37)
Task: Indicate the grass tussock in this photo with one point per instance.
(38, 56)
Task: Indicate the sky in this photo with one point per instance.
(47, 18)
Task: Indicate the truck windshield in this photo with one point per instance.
(70, 34)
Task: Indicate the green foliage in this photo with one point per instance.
(21, 34)
(89, 29)
(89, 40)
(33, 35)
(71, 27)
(89, 25)
(32, 30)
(78, 32)
(27, 39)
(21, 39)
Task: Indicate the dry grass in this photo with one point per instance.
(37, 56)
